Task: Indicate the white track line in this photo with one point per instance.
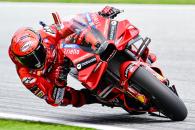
(47, 120)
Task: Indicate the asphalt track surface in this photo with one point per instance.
(172, 29)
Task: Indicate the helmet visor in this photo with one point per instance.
(36, 59)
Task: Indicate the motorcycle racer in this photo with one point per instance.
(42, 69)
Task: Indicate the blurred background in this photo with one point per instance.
(113, 1)
(170, 25)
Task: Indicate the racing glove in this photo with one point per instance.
(109, 12)
(61, 73)
(60, 85)
(60, 77)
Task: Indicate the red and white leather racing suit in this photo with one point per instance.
(50, 83)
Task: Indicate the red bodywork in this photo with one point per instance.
(91, 67)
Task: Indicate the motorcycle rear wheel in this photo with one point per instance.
(160, 95)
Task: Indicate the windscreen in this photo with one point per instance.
(84, 23)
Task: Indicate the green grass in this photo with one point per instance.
(114, 1)
(26, 125)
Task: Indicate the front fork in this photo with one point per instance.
(127, 69)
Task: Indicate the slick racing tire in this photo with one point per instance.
(160, 95)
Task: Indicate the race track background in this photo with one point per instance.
(172, 29)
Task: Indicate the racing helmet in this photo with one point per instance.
(28, 49)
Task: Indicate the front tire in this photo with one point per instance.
(160, 95)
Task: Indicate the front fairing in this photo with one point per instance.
(88, 66)
(104, 30)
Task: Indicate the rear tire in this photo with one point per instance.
(160, 95)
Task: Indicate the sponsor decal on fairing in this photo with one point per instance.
(88, 62)
(66, 45)
(72, 51)
(112, 30)
(82, 58)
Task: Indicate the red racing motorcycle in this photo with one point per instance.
(118, 70)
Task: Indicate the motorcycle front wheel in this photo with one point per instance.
(160, 95)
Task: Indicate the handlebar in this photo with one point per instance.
(117, 11)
